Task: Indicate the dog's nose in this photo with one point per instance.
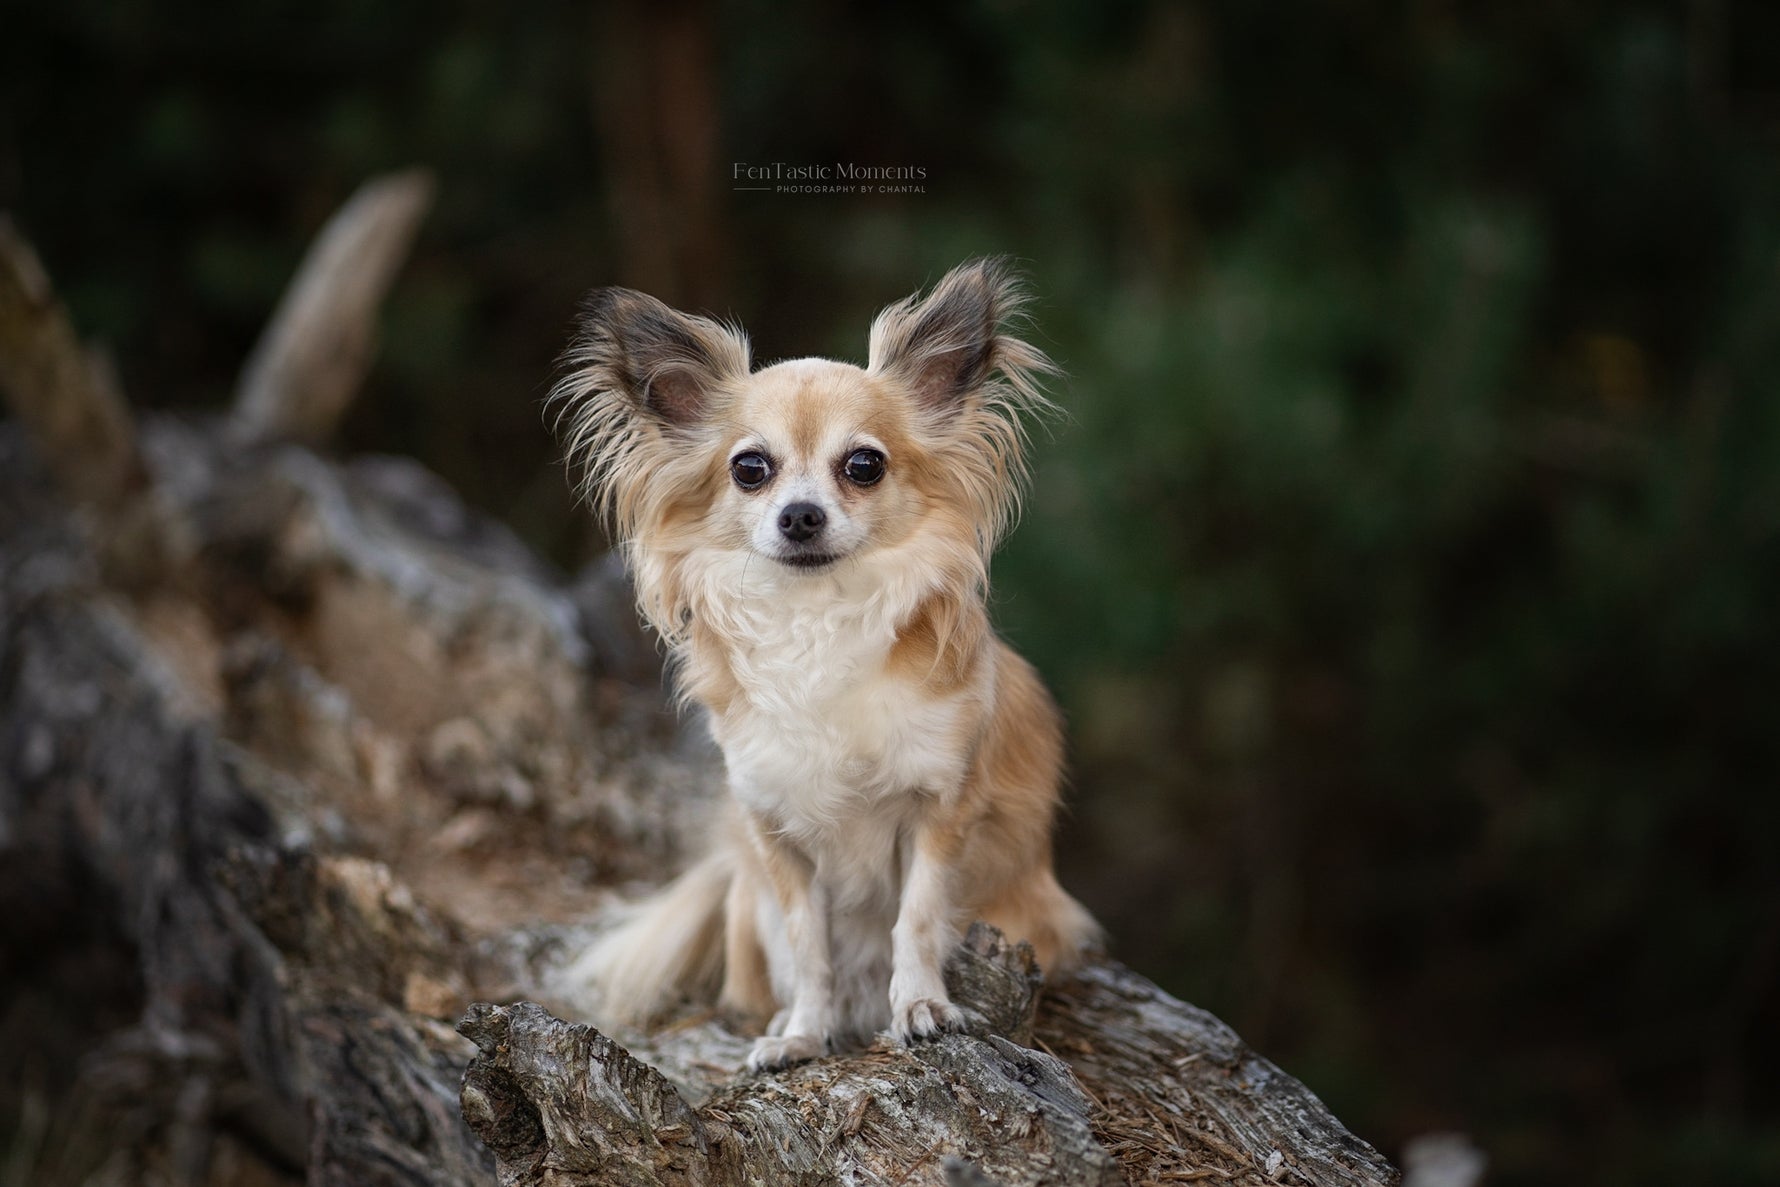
(800, 521)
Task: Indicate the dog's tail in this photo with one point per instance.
(667, 945)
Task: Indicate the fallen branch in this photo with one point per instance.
(307, 366)
(80, 422)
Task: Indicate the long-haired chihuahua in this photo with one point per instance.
(812, 542)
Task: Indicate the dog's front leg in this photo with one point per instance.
(808, 1025)
(926, 931)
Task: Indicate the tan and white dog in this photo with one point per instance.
(812, 542)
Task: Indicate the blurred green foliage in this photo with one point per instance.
(1408, 561)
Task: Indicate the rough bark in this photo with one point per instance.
(361, 768)
(1153, 1090)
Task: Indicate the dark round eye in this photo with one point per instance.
(864, 467)
(750, 470)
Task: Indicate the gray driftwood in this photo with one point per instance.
(293, 832)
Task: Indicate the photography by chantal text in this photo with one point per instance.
(780, 177)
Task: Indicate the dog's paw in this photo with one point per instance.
(772, 1052)
(925, 1018)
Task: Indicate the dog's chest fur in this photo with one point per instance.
(824, 741)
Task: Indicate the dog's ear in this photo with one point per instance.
(947, 345)
(662, 362)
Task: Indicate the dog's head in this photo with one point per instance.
(807, 467)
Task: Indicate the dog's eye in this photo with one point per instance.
(750, 470)
(864, 467)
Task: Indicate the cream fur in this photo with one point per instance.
(893, 767)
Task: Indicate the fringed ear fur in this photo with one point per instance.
(977, 385)
(637, 377)
(948, 345)
(641, 380)
(667, 363)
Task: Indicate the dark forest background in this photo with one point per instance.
(1407, 565)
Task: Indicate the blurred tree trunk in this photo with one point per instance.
(655, 92)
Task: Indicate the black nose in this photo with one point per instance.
(800, 521)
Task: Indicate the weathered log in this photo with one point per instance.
(564, 1104)
(1102, 1078)
(270, 794)
(265, 832)
(121, 797)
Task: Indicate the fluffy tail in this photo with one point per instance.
(666, 945)
(1041, 912)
